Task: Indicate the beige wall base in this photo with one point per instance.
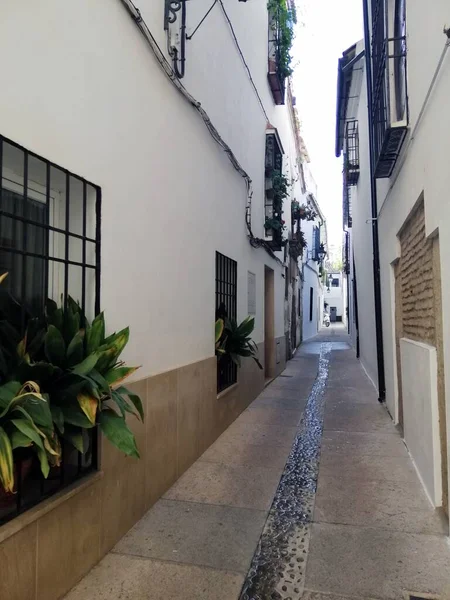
(47, 550)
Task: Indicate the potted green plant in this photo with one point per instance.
(234, 341)
(74, 368)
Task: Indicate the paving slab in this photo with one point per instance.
(213, 483)
(272, 416)
(200, 534)
(363, 443)
(297, 403)
(260, 433)
(401, 506)
(365, 562)
(369, 467)
(120, 577)
(241, 453)
(361, 418)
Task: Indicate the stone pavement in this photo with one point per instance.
(229, 529)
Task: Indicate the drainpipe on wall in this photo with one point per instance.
(374, 204)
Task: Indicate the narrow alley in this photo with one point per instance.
(309, 494)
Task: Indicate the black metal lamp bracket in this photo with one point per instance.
(171, 10)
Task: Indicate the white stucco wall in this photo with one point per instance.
(83, 89)
(362, 244)
(422, 168)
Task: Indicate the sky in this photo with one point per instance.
(325, 29)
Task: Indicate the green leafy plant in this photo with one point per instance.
(275, 224)
(297, 244)
(25, 422)
(235, 340)
(283, 18)
(75, 366)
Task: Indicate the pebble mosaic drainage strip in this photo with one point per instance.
(277, 571)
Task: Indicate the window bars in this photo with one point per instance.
(346, 253)
(50, 246)
(273, 207)
(389, 110)
(226, 307)
(351, 156)
(275, 75)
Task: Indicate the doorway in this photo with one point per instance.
(333, 314)
(269, 327)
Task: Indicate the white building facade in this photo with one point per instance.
(408, 149)
(146, 141)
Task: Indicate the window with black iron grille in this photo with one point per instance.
(389, 110)
(273, 205)
(50, 246)
(351, 154)
(346, 206)
(276, 75)
(226, 308)
(346, 253)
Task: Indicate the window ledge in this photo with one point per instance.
(18, 523)
(227, 391)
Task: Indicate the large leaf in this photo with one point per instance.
(103, 385)
(96, 334)
(19, 440)
(134, 399)
(6, 462)
(71, 324)
(122, 404)
(74, 307)
(73, 415)
(55, 348)
(113, 349)
(89, 405)
(75, 350)
(37, 407)
(7, 392)
(119, 374)
(246, 327)
(43, 460)
(26, 428)
(115, 428)
(89, 363)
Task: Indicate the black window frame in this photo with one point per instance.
(34, 489)
(311, 300)
(226, 307)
